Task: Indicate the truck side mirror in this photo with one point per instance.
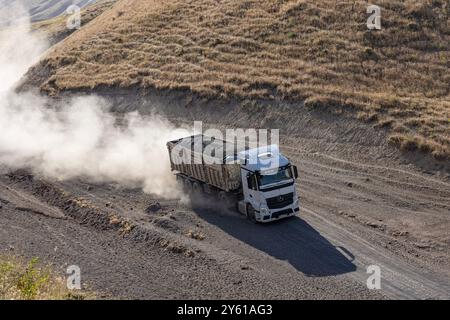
(295, 172)
(251, 181)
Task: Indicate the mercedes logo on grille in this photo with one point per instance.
(280, 198)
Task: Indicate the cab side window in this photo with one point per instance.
(251, 182)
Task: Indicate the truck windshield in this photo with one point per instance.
(279, 176)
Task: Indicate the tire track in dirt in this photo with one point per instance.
(372, 166)
(400, 280)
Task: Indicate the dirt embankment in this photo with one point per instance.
(332, 130)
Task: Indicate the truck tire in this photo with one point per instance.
(251, 213)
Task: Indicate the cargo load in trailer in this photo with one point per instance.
(260, 181)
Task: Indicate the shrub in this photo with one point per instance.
(31, 281)
(21, 280)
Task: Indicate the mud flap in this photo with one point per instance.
(242, 207)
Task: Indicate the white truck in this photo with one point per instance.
(260, 182)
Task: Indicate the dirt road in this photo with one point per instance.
(156, 258)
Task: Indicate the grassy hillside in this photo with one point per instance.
(319, 52)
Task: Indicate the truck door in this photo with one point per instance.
(250, 188)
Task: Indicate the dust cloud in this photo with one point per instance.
(79, 138)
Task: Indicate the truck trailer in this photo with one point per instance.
(259, 182)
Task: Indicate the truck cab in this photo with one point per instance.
(268, 185)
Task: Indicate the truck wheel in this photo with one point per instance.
(251, 213)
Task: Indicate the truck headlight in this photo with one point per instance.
(264, 210)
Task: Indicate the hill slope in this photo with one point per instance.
(317, 52)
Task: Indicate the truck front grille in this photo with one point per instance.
(280, 201)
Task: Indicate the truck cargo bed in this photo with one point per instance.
(223, 175)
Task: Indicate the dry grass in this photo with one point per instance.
(317, 51)
(21, 280)
(197, 235)
(124, 226)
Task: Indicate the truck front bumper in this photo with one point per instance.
(285, 213)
